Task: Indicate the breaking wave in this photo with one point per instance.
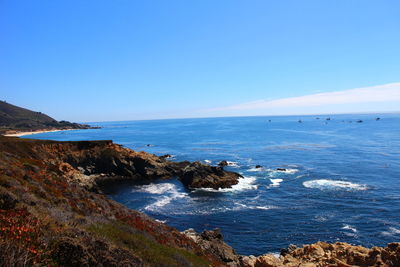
(170, 191)
(391, 232)
(246, 183)
(325, 184)
(275, 182)
(155, 188)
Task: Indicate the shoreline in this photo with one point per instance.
(18, 134)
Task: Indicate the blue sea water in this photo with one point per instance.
(341, 181)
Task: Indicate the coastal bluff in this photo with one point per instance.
(96, 164)
(53, 212)
(14, 120)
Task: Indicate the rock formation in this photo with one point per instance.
(223, 163)
(199, 175)
(320, 254)
(95, 164)
(212, 241)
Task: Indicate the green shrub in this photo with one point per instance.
(145, 247)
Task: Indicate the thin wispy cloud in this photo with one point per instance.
(358, 96)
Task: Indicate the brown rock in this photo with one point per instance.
(199, 175)
(268, 260)
(212, 242)
(223, 163)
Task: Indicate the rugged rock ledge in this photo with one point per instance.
(98, 163)
(52, 213)
(320, 254)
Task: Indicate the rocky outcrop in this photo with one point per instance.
(111, 163)
(223, 163)
(199, 175)
(320, 254)
(96, 164)
(212, 242)
(338, 254)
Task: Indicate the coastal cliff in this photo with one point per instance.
(53, 212)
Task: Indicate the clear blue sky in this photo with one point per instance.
(99, 60)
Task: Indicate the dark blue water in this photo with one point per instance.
(341, 181)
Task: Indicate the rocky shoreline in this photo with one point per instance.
(54, 192)
(319, 254)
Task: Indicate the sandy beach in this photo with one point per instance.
(18, 134)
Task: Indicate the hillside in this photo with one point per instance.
(20, 119)
(51, 215)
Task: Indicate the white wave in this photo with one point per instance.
(155, 188)
(275, 182)
(207, 161)
(256, 169)
(287, 171)
(349, 227)
(205, 210)
(325, 184)
(164, 188)
(159, 203)
(321, 218)
(164, 201)
(246, 183)
(160, 221)
(241, 206)
(391, 232)
(264, 207)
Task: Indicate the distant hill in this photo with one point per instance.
(20, 119)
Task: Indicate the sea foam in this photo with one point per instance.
(391, 232)
(286, 171)
(246, 183)
(170, 191)
(326, 184)
(233, 164)
(155, 188)
(275, 182)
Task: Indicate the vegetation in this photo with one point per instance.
(47, 218)
(150, 251)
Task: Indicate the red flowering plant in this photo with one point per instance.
(21, 239)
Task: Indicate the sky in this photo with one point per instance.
(96, 60)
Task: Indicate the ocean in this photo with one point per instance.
(339, 178)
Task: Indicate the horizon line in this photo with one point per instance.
(246, 116)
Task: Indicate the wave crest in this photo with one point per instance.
(325, 184)
(246, 183)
